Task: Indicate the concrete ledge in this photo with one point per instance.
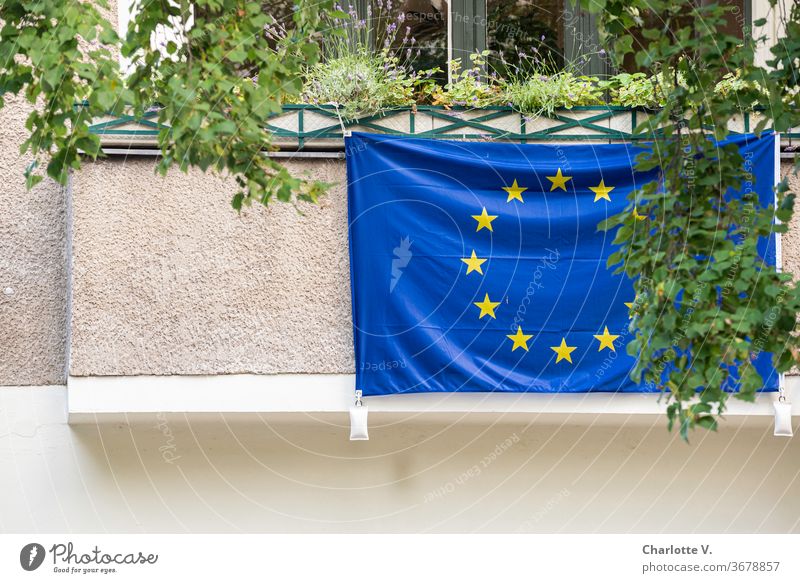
(93, 398)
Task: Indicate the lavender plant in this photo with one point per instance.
(360, 80)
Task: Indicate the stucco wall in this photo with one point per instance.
(790, 242)
(168, 279)
(33, 272)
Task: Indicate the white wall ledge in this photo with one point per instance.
(92, 398)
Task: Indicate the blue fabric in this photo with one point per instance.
(416, 324)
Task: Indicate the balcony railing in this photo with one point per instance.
(323, 127)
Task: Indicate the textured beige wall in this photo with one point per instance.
(790, 242)
(33, 271)
(168, 279)
(33, 261)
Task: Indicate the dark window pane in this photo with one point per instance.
(533, 28)
(735, 25)
(415, 30)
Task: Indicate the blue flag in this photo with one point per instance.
(479, 266)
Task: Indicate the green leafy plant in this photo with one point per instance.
(220, 83)
(42, 57)
(706, 305)
(469, 87)
(634, 90)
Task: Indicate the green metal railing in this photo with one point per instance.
(454, 124)
(114, 127)
(466, 124)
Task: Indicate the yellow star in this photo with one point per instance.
(514, 191)
(564, 352)
(606, 340)
(601, 191)
(559, 181)
(520, 339)
(484, 220)
(637, 216)
(629, 304)
(487, 306)
(473, 263)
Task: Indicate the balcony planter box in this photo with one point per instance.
(320, 127)
(314, 127)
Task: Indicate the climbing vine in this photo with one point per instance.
(211, 69)
(706, 303)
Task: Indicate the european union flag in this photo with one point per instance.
(479, 266)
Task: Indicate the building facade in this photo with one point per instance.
(171, 365)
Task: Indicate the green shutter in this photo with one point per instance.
(360, 7)
(582, 39)
(468, 29)
(747, 33)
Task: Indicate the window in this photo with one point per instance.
(553, 33)
(416, 30)
(426, 34)
(738, 22)
(533, 29)
(429, 33)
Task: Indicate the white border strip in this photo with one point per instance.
(778, 177)
(778, 238)
(309, 393)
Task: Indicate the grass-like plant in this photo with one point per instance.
(542, 94)
(538, 85)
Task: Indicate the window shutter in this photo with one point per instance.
(360, 8)
(467, 29)
(582, 41)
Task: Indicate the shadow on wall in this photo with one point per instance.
(299, 473)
